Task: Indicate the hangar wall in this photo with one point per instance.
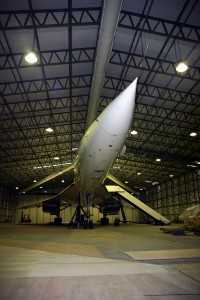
(7, 205)
(172, 197)
(37, 216)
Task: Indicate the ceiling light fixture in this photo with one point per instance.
(31, 58)
(34, 180)
(17, 188)
(54, 165)
(62, 181)
(49, 129)
(158, 159)
(41, 187)
(139, 173)
(181, 67)
(191, 166)
(193, 134)
(171, 175)
(116, 167)
(126, 181)
(134, 132)
(56, 158)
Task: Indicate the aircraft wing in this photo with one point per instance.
(68, 194)
(126, 193)
(50, 177)
(118, 182)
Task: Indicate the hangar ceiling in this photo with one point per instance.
(151, 37)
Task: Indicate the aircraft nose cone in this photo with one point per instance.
(117, 116)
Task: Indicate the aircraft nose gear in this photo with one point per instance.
(81, 218)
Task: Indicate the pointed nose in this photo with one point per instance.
(117, 116)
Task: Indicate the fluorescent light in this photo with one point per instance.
(126, 181)
(56, 158)
(181, 67)
(54, 165)
(193, 134)
(62, 181)
(74, 149)
(197, 162)
(141, 189)
(134, 132)
(155, 183)
(192, 166)
(17, 188)
(148, 181)
(116, 167)
(139, 173)
(49, 129)
(34, 180)
(41, 187)
(171, 175)
(31, 58)
(158, 159)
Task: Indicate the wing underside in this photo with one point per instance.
(127, 194)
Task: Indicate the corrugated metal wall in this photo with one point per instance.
(37, 216)
(172, 197)
(7, 205)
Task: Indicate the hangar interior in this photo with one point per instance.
(86, 53)
(161, 161)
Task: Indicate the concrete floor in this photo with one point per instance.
(58, 263)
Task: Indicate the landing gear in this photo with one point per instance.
(123, 214)
(104, 220)
(81, 218)
(57, 219)
(116, 222)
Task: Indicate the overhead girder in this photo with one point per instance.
(52, 150)
(9, 51)
(147, 110)
(165, 156)
(80, 102)
(145, 62)
(38, 85)
(26, 157)
(21, 145)
(143, 127)
(49, 58)
(160, 111)
(158, 26)
(152, 90)
(44, 119)
(160, 124)
(48, 18)
(37, 42)
(64, 145)
(84, 81)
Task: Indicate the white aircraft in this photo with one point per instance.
(99, 147)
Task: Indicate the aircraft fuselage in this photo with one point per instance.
(105, 138)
